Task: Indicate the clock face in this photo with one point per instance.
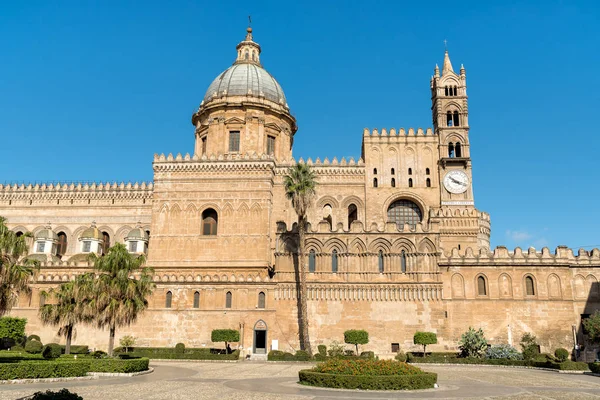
(456, 182)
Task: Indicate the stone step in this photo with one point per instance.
(258, 357)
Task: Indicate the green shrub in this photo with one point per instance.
(503, 351)
(98, 354)
(367, 354)
(425, 380)
(225, 335)
(572, 366)
(62, 394)
(33, 347)
(424, 339)
(127, 342)
(529, 346)
(169, 353)
(17, 347)
(366, 367)
(561, 354)
(77, 349)
(13, 328)
(115, 365)
(302, 355)
(473, 343)
(34, 337)
(180, 348)
(594, 367)
(320, 357)
(349, 353)
(335, 349)
(322, 350)
(51, 351)
(42, 369)
(592, 326)
(400, 356)
(356, 337)
(278, 355)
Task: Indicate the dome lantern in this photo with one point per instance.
(91, 240)
(46, 241)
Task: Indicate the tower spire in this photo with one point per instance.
(447, 64)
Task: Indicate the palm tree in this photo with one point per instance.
(119, 296)
(300, 183)
(15, 269)
(69, 308)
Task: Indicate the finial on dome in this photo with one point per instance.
(248, 50)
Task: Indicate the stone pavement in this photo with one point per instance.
(251, 380)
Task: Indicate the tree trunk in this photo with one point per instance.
(424, 351)
(303, 289)
(111, 340)
(69, 337)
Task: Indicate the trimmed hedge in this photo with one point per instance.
(42, 369)
(118, 365)
(169, 353)
(76, 349)
(33, 347)
(63, 394)
(51, 350)
(13, 328)
(426, 380)
(594, 367)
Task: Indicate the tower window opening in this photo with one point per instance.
(210, 221)
(404, 212)
(380, 261)
(428, 182)
(261, 300)
(105, 242)
(352, 214)
(334, 261)
(426, 171)
(246, 55)
(403, 262)
(393, 171)
(529, 286)
(481, 286)
(196, 299)
(410, 182)
(61, 249)
(446, 90)
(374, 182)
(451, 150)
(458, 149)
(374, 171)
(455, 119)
(270, 145)
(311, 261)
(169, 299)
(234, 141)
(449, 118)
(393, 182)
(410, 171)
(228, 300)
(203, 145)
(455, 91)
(253, 56)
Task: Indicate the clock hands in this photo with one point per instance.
(457, 182)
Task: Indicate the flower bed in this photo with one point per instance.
(61, 368)
(367, 375)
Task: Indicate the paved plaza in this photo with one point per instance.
(248, 380)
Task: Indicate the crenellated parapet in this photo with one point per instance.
(501, 256)
(401, 133)
(249, 163)
(76, 191)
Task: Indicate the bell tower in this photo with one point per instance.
(450, 113)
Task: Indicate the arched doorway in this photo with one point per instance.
(260, 337)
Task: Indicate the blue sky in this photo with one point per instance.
(91, 90)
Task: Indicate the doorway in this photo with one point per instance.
(260, 337)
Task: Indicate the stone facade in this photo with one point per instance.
(395, 243)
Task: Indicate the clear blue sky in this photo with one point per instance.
(91, 90)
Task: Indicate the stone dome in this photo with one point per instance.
(137, 234)
(246, 79)
(46, 234)
(91, 233)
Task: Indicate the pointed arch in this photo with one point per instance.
(314, 244)
(243, 210)
(357, 246)
(458, 286)
(335, 244)
(380, 244)
(228, 210)
(579, 286)
(403, 244)
(327, 200)
(591, 286)
(427, 246)
(554, 287)
(505, 285)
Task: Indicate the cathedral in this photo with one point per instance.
(395, 243)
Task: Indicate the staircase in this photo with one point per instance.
(258, 357)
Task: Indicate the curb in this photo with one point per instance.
(505, 366)
(123, 374)
(90, 376)
(194, 361)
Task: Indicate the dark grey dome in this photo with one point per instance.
(242, 79)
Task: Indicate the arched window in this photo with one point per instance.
(455, 91)
(393, 171)
(374, 171)
(311, 261)
(105, 243)
(455, 119)
(449, 118)
(481, 286)
(209, 222)
(426, 171)
(451, 150)
(246, 55)
(374, 182)
(19, 234)
(458, 149)
(404, 211)
(196, 299)
(352, 214)
(261, 300)
(446, 90)
(410, 171)
(61, 249)
(393, 182)
(529, 286)
(334, 261)
(253, 56)
(380, 261)
(403, 262)
(428, 182)
(168, 299)
(228, 300)
(410, 182)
